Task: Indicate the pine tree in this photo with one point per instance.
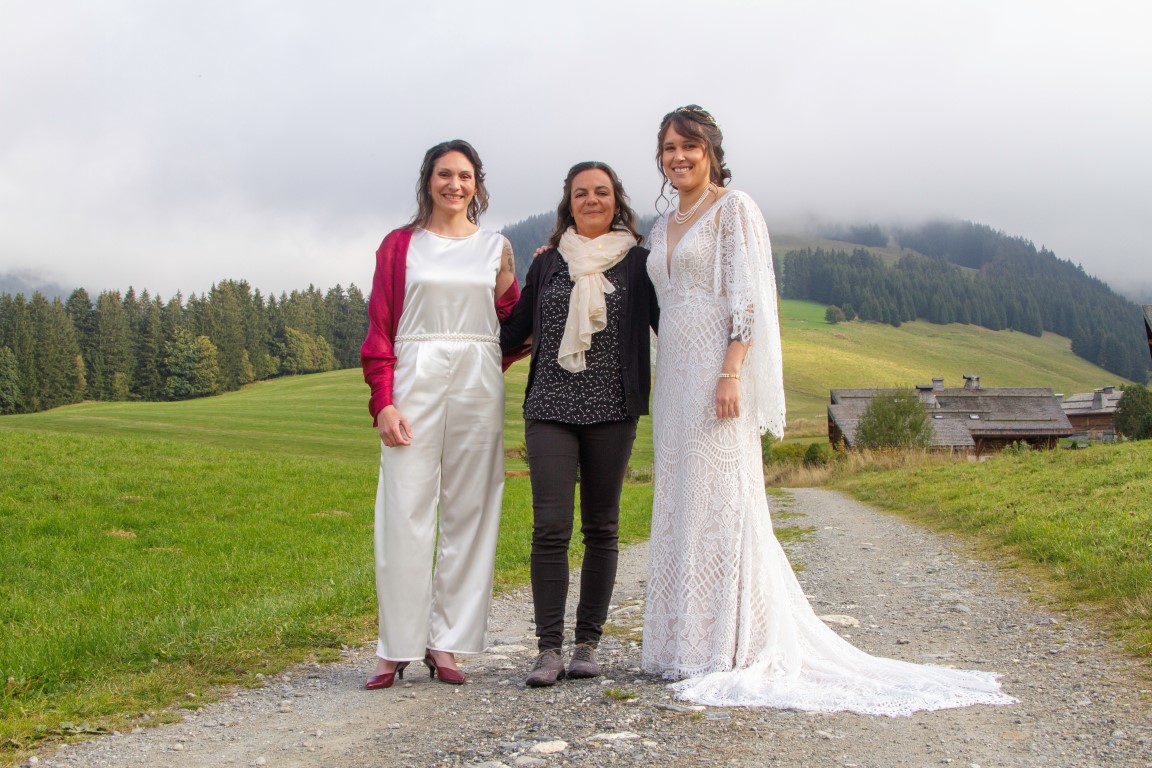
(59, 380)
(337, 320)
(17, 334)
(358, 322)
(224, 308)
(113, 379)
(83, 316)
(148, 376)
(9, 381)
(259, 341)
(172, 317)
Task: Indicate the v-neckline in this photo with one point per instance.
(668, 254)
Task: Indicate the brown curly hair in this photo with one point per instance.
(479, 202)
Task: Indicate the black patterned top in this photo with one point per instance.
(595, 394)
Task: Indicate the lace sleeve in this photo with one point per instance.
(745, 261)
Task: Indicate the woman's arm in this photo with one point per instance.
(507, 297)
(517, 326)
(506, 280)
(385, 302)
(745, 259)
(650, 289)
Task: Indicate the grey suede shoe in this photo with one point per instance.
(584, 663)
(549, 668)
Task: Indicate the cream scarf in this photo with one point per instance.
(587, 312)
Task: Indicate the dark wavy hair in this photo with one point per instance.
(694, 122)
(479, 202)
(624, 218)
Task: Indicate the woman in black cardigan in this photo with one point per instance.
(587, 304)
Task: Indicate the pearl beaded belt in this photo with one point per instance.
(477, 337)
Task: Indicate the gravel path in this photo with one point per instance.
(916, 596)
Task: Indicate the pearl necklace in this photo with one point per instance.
(682, 218)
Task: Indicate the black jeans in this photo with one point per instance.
(555, 451)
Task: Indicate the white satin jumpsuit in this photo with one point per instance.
(438, 499)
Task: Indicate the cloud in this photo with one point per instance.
(169, 145)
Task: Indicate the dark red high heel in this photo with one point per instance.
(386, 679)
(446, 674)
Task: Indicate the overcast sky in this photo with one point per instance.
(169, 144)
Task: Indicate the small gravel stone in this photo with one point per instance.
(622, 736)
(549, 747)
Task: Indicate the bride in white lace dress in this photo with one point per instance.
(725, 614)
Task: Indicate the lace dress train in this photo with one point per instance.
(725, 614)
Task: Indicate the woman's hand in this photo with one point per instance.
(728, 385)
(393, 427)
(727, 398)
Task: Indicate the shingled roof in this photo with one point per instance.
(962, 418)
(1102, 401)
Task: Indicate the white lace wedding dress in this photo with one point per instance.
(725, 614)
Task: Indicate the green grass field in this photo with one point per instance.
(819, 356)
(156, 549)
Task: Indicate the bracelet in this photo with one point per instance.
(730, 376)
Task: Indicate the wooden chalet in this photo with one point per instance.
(968, 420)
(1092, 414)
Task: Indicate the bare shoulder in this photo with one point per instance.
(507, 257)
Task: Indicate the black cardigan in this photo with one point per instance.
(641, 312)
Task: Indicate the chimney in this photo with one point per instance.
(937, 382)
(1108, 390)
(971, 381)
(926, 394)
(1097, 399)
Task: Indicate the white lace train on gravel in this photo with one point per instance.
(724, 609)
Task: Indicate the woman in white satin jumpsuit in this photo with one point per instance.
(432, 358)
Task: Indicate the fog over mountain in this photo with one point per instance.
(171, 145)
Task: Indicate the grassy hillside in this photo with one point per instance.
(300, 414)
(819, 356)
(153, 549)
(783, 242)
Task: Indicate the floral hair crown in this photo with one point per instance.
(698, 112)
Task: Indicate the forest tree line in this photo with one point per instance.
(968, 273)
(57, 351)
(141, 347)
